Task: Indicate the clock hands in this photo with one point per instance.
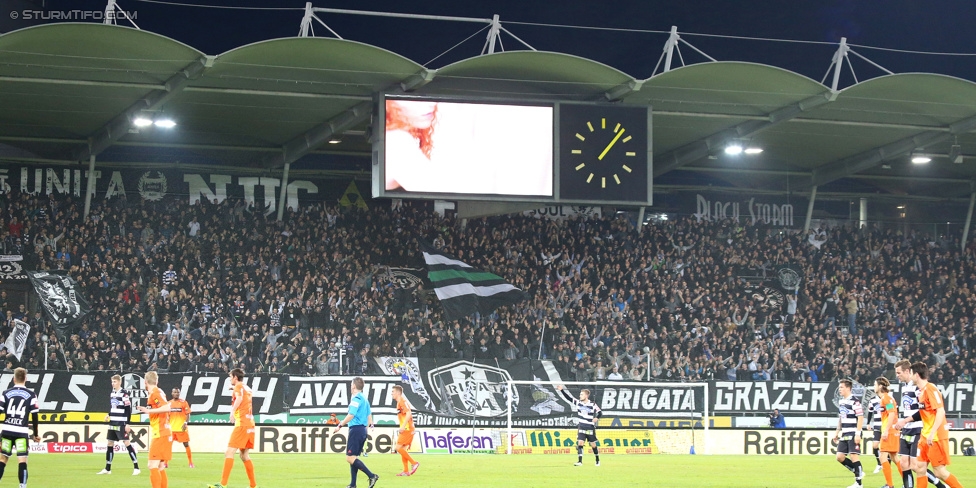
(614, 141)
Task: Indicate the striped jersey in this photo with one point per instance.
(850, 409)
(874, 412)
(586, 412)
(17, 403)
(909, 405)
(120, 409)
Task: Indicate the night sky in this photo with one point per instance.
(931, 25)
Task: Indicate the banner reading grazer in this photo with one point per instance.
(451, 392)
(60, 297)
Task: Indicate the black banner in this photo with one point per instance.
(65, 391)
(262, 190)
(453, 392)
(322, 395)
(11, 267)
(59, 295)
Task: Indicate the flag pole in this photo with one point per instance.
(542, 338)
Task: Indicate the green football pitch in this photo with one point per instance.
(331, 470)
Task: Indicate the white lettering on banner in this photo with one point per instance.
(152, 185)
(956, 396)
(205, 390)
(200, 189)
(787, 396)
(48, 401)
(321, 395)
(771, 214)
(636, 400)
(326, 394)
(74, 387)
(4, 186)
(564, 212)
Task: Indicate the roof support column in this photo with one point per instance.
(813, 198)
(969, 220)
(839, 57)
(493, 33)
(284, 191)
(669, 47)
(91, 184)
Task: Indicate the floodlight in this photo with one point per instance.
(921, 159)
(733, 149)
(753, 150)
(142, 122)
(164, 123)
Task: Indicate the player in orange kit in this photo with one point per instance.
(933, 446)
(407, 429)
(889, 435)
(160, 435)
(179, 418)
(242, 439)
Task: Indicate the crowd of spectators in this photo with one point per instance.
(213, 286)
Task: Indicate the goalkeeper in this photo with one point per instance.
(587, 414)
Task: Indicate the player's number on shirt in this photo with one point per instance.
(17, 408)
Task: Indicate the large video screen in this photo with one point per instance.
(440, 147)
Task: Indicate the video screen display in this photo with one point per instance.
(467, 148)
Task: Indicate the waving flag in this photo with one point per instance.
(464, 290)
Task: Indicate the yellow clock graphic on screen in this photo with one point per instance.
(601, 149)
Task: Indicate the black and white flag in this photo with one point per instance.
(60, 297)
(17, 340)
(464, 290)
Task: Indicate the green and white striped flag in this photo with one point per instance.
(464, 290)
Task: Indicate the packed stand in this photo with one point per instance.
(214, 286)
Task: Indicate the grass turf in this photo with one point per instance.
(331, 470)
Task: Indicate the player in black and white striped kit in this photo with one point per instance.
(587, 414)
(848, 435)
(874, 423)
(120, 409)
(17, 403)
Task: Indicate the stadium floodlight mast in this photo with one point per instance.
(705, 414)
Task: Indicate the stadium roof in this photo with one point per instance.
(70, 90)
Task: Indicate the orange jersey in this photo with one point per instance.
(179, 414)
(930, 398)
(888, 406)
(242, 416)
(158, 422)
(404, 415)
